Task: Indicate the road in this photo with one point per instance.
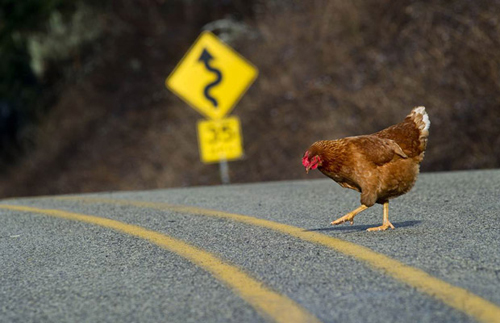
(254, 253)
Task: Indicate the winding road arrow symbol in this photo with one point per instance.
(206, 57)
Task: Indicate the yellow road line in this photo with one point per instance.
(456, 297)
(268, 303)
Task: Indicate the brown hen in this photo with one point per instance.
(380, 166)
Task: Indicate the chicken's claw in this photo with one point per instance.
(346, 218)
(383, 227)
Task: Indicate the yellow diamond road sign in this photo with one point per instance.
(211, 77)
(220, 139)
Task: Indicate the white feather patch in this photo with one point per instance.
(425, 117)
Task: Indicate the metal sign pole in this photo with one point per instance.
(224, 171)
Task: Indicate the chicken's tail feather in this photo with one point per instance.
(421, 120)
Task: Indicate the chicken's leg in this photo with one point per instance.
(350, 216)
(386, 225)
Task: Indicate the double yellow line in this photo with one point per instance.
(456, 297)
(268, 303)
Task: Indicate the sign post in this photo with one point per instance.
(212, 77)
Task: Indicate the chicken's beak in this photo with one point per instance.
(307, 169)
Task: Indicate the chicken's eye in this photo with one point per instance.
(315, 162)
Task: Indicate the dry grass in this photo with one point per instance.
(355, 67)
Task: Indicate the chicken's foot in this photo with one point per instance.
(349, 217)
(386, 224)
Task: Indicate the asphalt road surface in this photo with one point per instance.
(267, 253)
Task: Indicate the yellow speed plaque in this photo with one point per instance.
(220, 140)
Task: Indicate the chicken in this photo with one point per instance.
(380, 166)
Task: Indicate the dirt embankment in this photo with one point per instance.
(328, 69)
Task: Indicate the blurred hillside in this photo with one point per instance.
(83, 106)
